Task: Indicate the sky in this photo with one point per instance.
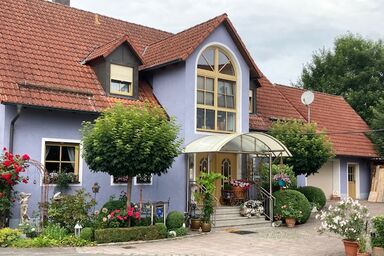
(281, 35)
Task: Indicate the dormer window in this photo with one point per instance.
(121, 80)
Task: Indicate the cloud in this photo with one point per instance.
(280, 34)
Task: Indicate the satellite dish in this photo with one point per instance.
(307, 98)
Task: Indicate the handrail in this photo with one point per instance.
(217, 201)
(272, 202)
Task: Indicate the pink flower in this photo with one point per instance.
(25, 157)
(137, 215)
(130, 213)
(119, 217)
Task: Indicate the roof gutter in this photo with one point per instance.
(12, 128)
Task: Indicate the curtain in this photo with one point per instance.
(71, 154)
(47, 150)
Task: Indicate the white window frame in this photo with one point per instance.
(59, 140)
(131, 70)
(134, 182)
(239, 86)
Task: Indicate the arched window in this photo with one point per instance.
(216, 91)
(226, 171)
(203, 165)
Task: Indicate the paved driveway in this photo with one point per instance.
(302, 240)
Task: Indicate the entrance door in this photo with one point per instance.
(352, 181)
(225, 164)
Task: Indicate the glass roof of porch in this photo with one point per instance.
(252, 143)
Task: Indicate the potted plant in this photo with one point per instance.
(195, 219)
(290, 214)
(207, 182)
(282, 180)
(348, 219)
(362, 242)
(239, 187)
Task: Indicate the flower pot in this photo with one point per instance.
(377, 251)
(362, 254)
(195, 224)
(350, 247)
(206, 227)
(291, 222)
(238, 192)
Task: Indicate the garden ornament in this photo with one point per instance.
(252, 208)
(24, 198)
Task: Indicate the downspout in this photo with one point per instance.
(12, 128)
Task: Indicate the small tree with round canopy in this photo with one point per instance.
(130, 141)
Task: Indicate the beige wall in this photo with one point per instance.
(328, 178)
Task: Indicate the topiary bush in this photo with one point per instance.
(181, 231)
(378, 226)
(175, 220)
(314, 195)
(109, 235)
(87, 234)
(296, 199)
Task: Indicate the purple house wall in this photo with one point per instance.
(174, 87)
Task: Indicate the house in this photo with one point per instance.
(60, 66)
(349, 173)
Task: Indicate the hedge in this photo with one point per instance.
(297, 199)
(87, 234)
(314, 195)
(378, 226)
(110, 235)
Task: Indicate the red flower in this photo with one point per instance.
(130, 213)
(117, 211)
(119, 217)
(4, 149)
(25, 157)
(6, 176)
(18, 169)
(25, 180)
(137, 215)
(7, 163)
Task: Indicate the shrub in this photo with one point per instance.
(109, 235)
(43, 241)
(71, 209)
(54, 231)
(297, 201)
(7, 236)
(175, 220)
(115, 204)
(314, 195)
(74, 241)
(378, 226)
(181, 231)
(87, 234)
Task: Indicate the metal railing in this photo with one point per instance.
(271, 204)
(193, 184)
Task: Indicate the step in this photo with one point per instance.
(244, 221)
(227, 210)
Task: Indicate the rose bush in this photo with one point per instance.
(11, 168)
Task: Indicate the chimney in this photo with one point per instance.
(63, 2)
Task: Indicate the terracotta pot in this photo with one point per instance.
(206, 227)
(362, 254)
(238, 192)
(290, 222)
(377, 251)
(195, 224)
(350, 247)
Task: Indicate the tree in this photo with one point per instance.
(354, 69)
(378, 123)
(309, 149)
(130, 141)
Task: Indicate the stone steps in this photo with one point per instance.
(229, 217)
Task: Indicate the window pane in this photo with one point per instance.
(206, 60)
(143, 179)
(200, 82)
(209, 54)
(52, 167)
(231, 121)
(52, 153)
(209, 98)
(67, 167)
(221, 120)
(200, 118)
(228, 88)
(210, 119)
(68, 153)
(230, 102)
(221, 101)
(228, 69)
(120, 87)
(209, 84)
(200, 97)
(221, 87)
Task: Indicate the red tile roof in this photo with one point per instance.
(43, 48)
(331, 113)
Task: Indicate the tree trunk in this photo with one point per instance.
(129, 192)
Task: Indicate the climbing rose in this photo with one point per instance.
(6, 176)
(25, 157)
(137, 215)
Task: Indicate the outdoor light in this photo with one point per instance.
(78, 228)
(95, 188)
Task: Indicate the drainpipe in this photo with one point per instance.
(12, 128)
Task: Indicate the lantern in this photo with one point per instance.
(78, 228)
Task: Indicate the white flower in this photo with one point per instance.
(104, 210)
(172, 233)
